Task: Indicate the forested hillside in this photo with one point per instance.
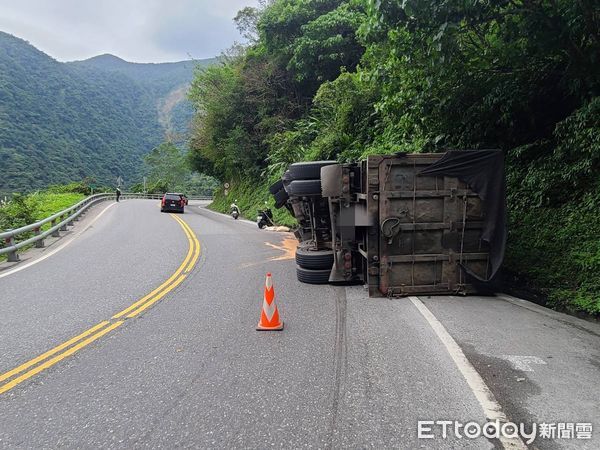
(62, 122)
(344, 79)
(166, 82)
(161, 78)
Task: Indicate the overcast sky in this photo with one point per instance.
(135, 30)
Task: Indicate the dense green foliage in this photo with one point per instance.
(63, 122)
(344, 79)
(23, 210)
(167, 169)
(15, 213)
(166, 83)
(250, 99)
(159, 78)
(250, 198)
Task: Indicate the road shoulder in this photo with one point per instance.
(542, 366)
(53, 245)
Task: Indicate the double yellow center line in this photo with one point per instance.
(12, 378)
(175, 280)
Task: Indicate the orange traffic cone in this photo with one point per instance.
(269, 316)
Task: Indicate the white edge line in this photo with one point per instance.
(57, 249)
(483, 394)
(204, 208)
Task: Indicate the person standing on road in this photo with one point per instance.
(118, 194)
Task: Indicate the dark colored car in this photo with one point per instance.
(172, 202)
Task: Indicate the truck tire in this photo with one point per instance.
(304, 187)
(308, 170)
(287, 177)
(314, 259)
(310, 276)
(275, 188)
(281, 197)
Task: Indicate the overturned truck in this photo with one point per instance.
(403, 224)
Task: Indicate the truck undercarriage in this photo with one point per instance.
(400, 224)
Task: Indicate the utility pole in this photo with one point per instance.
(144, 185)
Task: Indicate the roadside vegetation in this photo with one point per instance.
(167, 169)
(23, 209)
(344, 79)
(250, 198)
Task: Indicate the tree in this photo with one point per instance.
(167, 164)
(252, 97)
(345, 79)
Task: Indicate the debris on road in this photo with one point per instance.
(278, 229)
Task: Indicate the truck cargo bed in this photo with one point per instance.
(404, 224)
(428, 226)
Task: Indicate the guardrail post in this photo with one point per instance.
(64, 227)
(40, 243)
(55, 233)
(12, 256)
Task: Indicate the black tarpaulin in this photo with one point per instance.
(483, 171)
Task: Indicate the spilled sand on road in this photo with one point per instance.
(287, 247)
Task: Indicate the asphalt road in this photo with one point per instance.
(191, 371)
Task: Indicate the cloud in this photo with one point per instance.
(135, 30)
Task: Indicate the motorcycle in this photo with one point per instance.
(235, 211)
(265, 218)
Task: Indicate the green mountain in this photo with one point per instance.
(61, 122)
(161, 78)
(167, 82)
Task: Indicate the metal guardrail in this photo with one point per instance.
(158, 196)
(60, 221)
